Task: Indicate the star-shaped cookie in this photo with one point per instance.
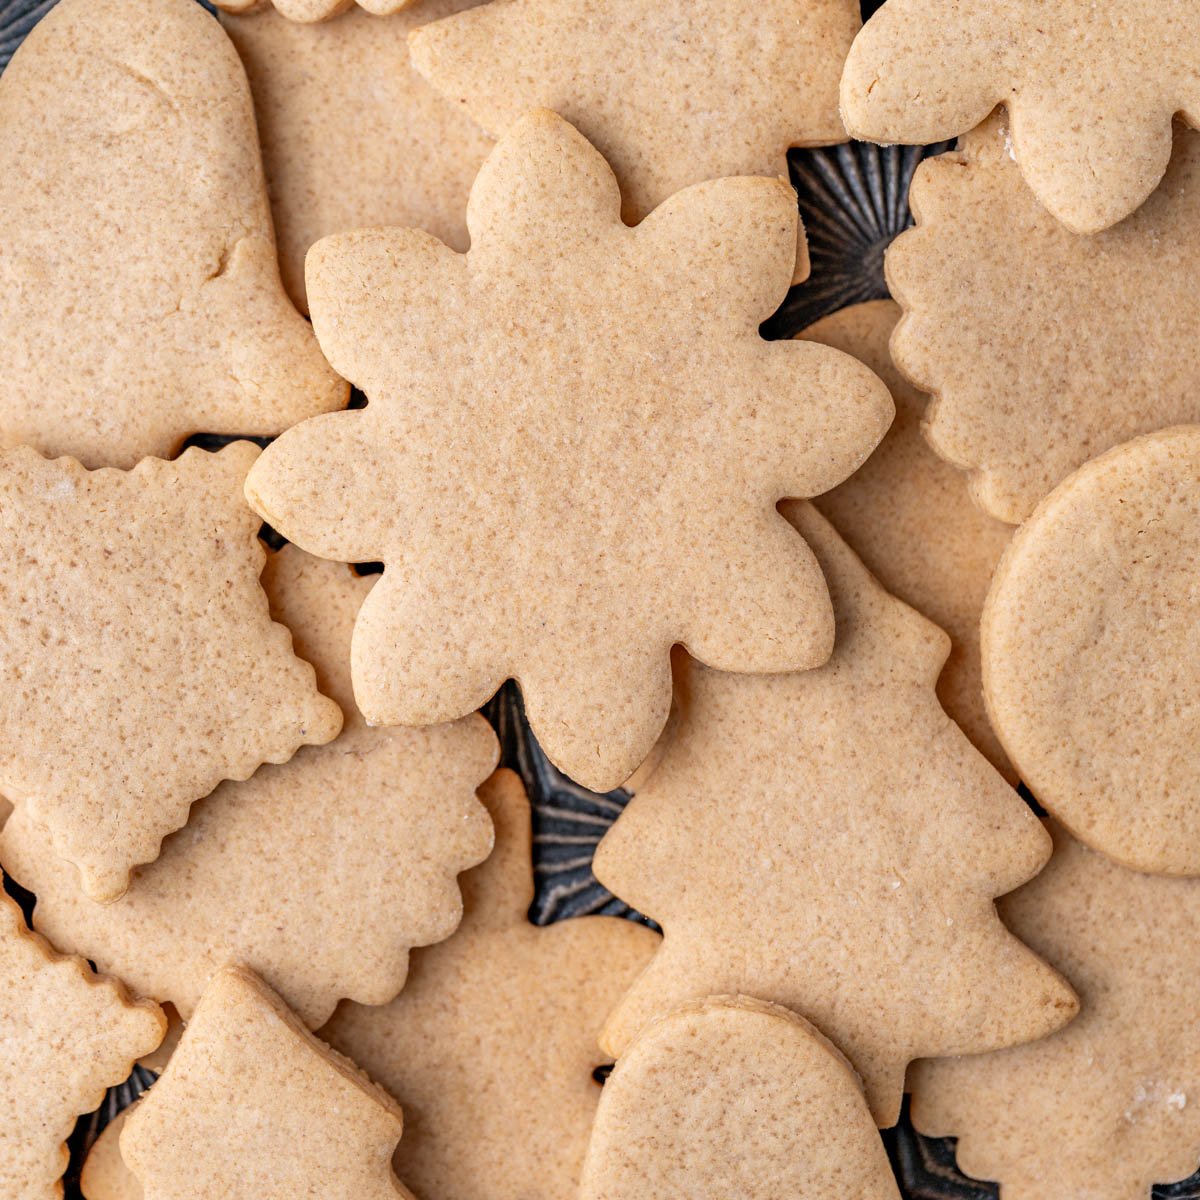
(1091, 87)
(253, 1107)
(1043, 349)
(140, 299)
(909, 517)
(1108, 1106)
(734, 1097)
(352, 136)
(551, 408)
(671, 92)
(67, 1035)
(492, 1044)
(876, 837)
(139, 665)
(319, 874)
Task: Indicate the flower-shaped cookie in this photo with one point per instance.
(671, 92)
(1091, 87)
(575, 443)
(1043, 349)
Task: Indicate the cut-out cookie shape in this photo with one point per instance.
(876, 837)
(496, 1031)
(1090, 88)
(253, 1107)
(548, 408)
(733, 1097)
(105, 1175)
(310, 11)
(352, 136)
(671, 92)
(139, 665)
(1107, 1106)
(910, 519)
(1091, 636)
(319, 874)
(67, 1035)
(1096, 344)
(140, 299)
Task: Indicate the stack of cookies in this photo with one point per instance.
(885, 637)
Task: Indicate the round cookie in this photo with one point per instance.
(1091, 636)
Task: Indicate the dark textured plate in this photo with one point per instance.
(853, 200)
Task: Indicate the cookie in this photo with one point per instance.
(1094, 345)
(876, 835)
(312, 11)
(319, 874)
(142, 667)
(733, 1097)
(140, 299)
(252, 1105)
(611, 377)
(105, 1175)
(1091, 633)
(671, 93)
(1106, 1107)
(352, 136)
(909, 517)
(492, 1044)
(67, 1036)
(1090, 89)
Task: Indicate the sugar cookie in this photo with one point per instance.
(139, 666)
(876, 837)
(313, 11)
(909, 517)
(1091, 636)
(319, 874)
(352, 136)
(1108, 1106)
(492, 1044)
(1090, 87)
(589, 383)
(67, 1035)
(253, 1107)
(105, 1175)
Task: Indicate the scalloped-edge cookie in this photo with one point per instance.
(140, 299)
(671, 92)
(252, 1105)
(1091, 89)
(139, 665)
(312, 11)
(909, 517)
(352, 136)
(491, 1046)
(1091, 639)
(319, 874)
(1107, 1107)
(733, 1097)
(67, 1034)
(571, 406)
(1043, 349)
(876, 836)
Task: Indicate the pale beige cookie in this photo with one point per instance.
(1108, 1106)
(909, 517)
(492, 1044)
(139, 665)
(140, 299)
(671, 92)
(311, 11)
(1090, 85)
(1091, 636)
(734, 1098)
(1043, 349)
(876, 837)
(5, 810)
(550, 408)
(253, 1107)
(319, 874)
(105, 1175)
(352, 136)
(67, 1035)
